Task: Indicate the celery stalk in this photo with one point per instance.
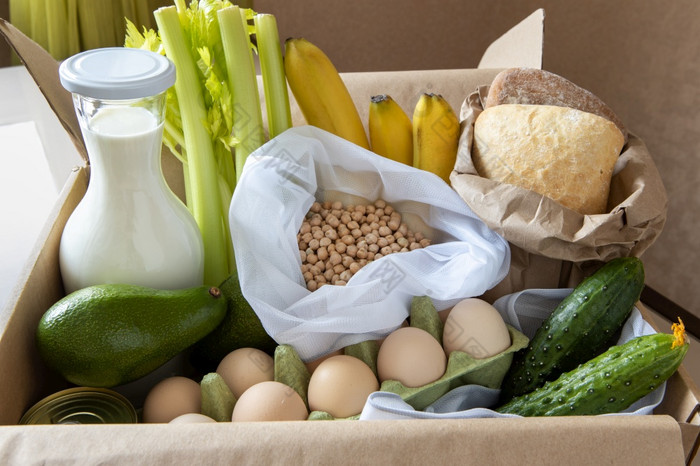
(20, 15)
(279, 116)
(56, 23)
(96, 24)
(73, 38)
(38, 30)
(21, 19)
(128, 10)
(247, 119)
(204, 185)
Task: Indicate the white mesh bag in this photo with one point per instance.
(280, 182)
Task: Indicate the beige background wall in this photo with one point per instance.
(642, 58)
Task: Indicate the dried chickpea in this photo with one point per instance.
(384, 231)
(335, 242)
(335, 258)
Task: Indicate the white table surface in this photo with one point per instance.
(36, 157)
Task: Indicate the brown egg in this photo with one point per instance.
(475, 327)
(403, 324)
(269, 401)
(171, 398)
(412, 356)
(191, 418)
(340, 386)
(312, 365)
(244, 367)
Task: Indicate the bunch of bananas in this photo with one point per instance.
(428, 141)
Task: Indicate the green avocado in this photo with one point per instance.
(109, 335)
(241, 328)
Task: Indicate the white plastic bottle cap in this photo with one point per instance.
(115, 73)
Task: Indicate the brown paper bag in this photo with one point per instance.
(551, 245)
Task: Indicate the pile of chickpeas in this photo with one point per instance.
(336, 241)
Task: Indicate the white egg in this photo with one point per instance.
(475, 327)
(411, 356)
(244, 367)
(171, 398)
(191, 418)
(269, 401)
(340, 386)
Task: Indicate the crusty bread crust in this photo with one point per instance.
(538, 87)
(563, 153)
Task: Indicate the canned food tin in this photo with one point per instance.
(82, 405)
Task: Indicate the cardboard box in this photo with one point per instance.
(668, 437)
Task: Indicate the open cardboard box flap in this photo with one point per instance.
(670, 437)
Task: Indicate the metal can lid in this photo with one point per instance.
(82, 405)
(115, 73)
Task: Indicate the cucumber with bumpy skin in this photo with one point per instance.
(580, 328)
(609, 383)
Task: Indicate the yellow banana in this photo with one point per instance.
(390, 130)
(320, 92)
(435, 135)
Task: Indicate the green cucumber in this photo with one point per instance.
(580, 328)
(610, 382)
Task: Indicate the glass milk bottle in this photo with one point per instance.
(129, 227)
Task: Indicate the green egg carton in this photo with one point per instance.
(462, 369)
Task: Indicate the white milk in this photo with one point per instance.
(129, 227)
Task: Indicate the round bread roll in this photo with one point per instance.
(565, 154)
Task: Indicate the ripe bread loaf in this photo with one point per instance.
(538, 87)
(563, 153)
